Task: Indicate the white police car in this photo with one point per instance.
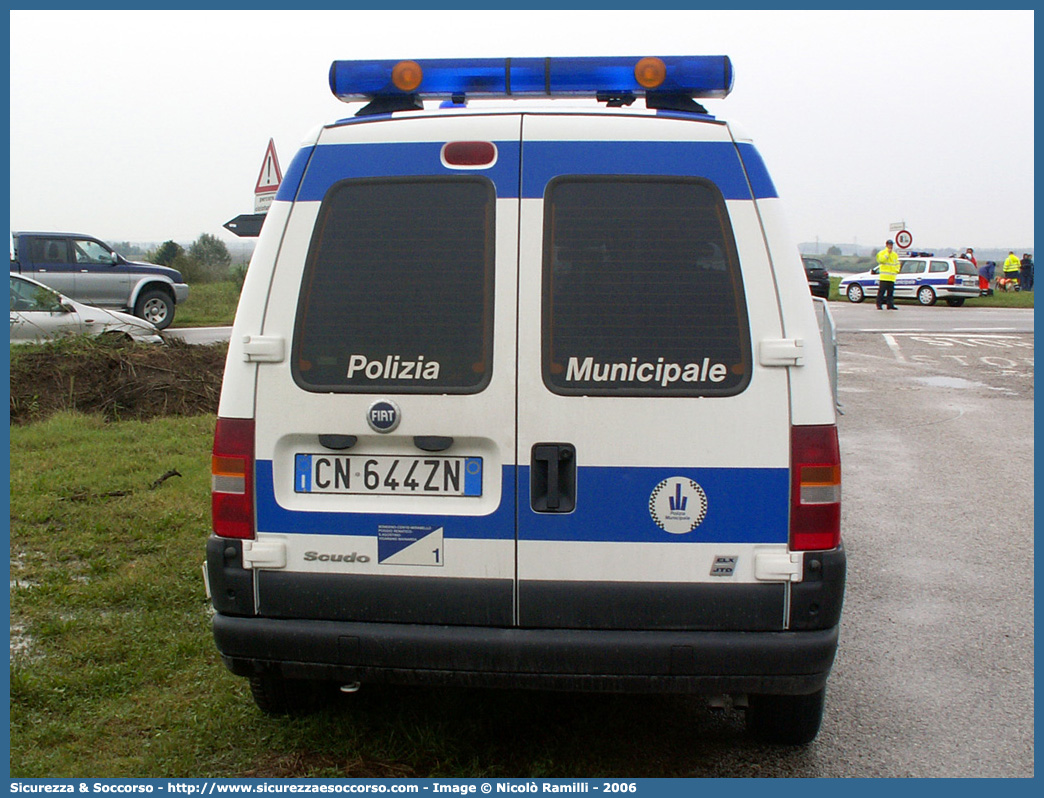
(923, 277)
(529, 393)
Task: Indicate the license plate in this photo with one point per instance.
(388, 475)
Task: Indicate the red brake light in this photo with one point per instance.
(815, 488)
(232, 478)
(475, 154)
(952, 280)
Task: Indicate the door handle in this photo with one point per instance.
(552, 478)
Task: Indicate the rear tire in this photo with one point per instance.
(155, 306)
(275, 695)
(785, 719)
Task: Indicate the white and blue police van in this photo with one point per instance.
(526, 389)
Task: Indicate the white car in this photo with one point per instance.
(924, 277)
(39, 313)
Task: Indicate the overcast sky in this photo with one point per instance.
(152, 125)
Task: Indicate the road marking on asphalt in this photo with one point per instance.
(949, 346)
(894, 346)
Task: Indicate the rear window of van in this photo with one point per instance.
(642, 291)
(397, 291)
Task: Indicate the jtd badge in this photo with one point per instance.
(678, 505)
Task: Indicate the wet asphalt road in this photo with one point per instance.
(934, 676)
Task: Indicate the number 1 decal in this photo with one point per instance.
(409, 544)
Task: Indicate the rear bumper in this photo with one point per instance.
(622, 661)
(958, 290)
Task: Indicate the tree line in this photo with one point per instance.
(207, 259)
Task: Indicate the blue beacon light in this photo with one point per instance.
(668, 82)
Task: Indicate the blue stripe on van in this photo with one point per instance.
(760, 183)
(719, 162)
(315, 169)
(331, 163)
(292, 179)
(744, 505)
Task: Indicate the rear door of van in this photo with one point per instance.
(648, 474)
(653, 447)
(385, 438)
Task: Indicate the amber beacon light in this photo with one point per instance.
(650, 72)
(407, 75)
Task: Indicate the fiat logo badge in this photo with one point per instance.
(383, 416)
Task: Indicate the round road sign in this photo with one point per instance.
(903, 239)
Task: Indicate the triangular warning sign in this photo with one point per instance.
(270, 177)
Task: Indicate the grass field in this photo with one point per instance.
(114, 672)
(208, 305)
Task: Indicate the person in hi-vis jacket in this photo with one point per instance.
(1012, 267)
(887, 269)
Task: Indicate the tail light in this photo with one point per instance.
(232, 478)
(952, 280)
(815, 488)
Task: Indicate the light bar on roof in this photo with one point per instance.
(700, 76)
